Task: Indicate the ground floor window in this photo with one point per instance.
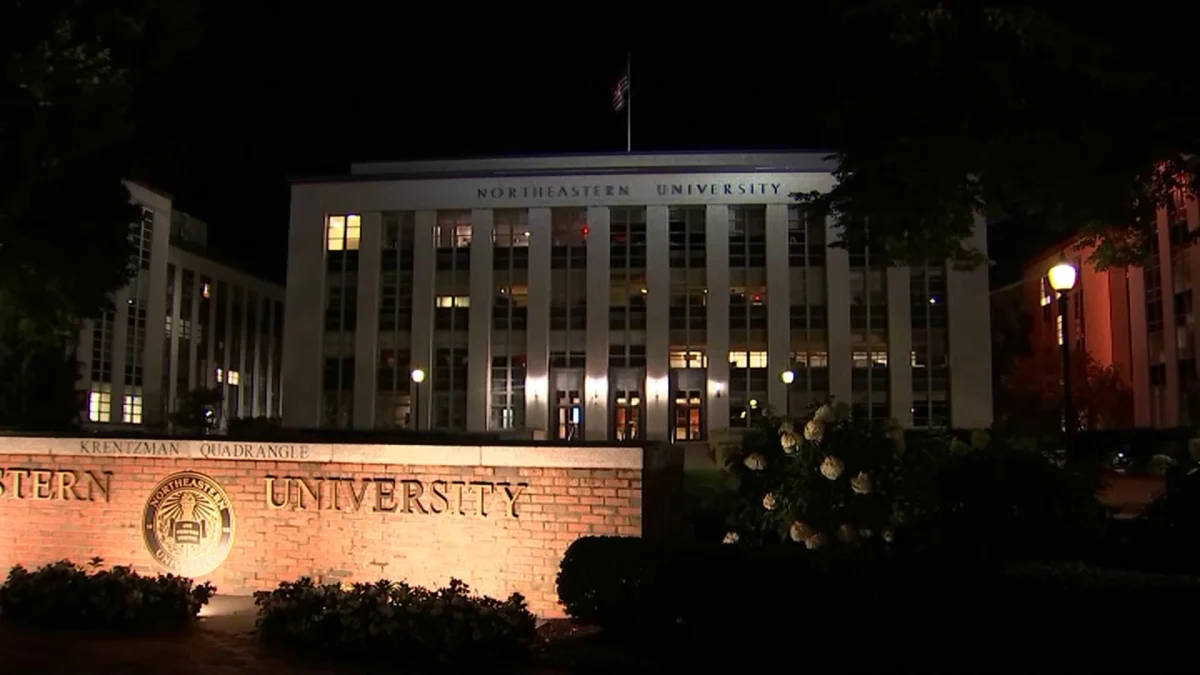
(131, 409)
(688, 419)
(569, 415)
(627, 415)
(100, 404)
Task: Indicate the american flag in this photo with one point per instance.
(620, 96)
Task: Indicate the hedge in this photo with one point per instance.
(394, 622)
(64, 595)
(748, 605)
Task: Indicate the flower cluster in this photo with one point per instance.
(828, 483)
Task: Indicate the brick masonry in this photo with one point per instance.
(573, 492)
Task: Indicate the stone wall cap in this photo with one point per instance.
(534, 456)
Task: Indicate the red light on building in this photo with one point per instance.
(586, 230)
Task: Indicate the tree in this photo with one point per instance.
(1031, 394)
(1054, 120)
(198, 410)
(66, 133)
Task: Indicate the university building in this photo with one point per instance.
(611, 297)
(184, 322)
(1139, 320)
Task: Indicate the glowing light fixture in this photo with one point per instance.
(1062, 277)
(418, 375)
(787, 376)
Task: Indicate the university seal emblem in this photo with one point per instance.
(188, 524)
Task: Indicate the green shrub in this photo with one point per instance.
(999, 503)
(392, 621)
(743, 607)
(63, 595)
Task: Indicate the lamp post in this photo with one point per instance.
(418, 376)
(788, 378)
(1062, 280)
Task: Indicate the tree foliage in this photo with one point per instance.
(1048, 118)
(1031, 394)
(68, 103)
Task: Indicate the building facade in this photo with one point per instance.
(611, 297)
(1139, 320)
(184, 322)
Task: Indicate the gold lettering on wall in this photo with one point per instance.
(381, 494)
(54, 484)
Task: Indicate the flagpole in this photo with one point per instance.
(628, 102)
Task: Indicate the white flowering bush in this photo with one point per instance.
(833, 485)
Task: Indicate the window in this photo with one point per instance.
(569, 417)
(342, 233)
(688, 418)
(1047, 291)
(131, 409)
(626, 414)
(756, 359)
(100, 404)
(806, 238)
(450, 301)
(234, 378)
(686, 236)
(206, 290)
(688, 359)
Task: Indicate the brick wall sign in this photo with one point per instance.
(249, 515)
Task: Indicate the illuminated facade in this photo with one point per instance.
(1139, 320)
(184, 322)
(611, 297)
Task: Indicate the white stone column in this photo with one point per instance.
(424, 263)
(537, 368)
(479, 345)
(779, 287)
(304, 326)
(156, 318)
(658, 331)
(970, 340)
(1166, 270)
(1138, 348)
(899, 317)
(173, 354)
(837, 285)
(242, 349)
(716, 237)
(269, 380)
(83, 355)
(119, 338)
(256, 371)
(599, 294)
(366, 327)
(209, 379)
(195, 379)
(226, 407)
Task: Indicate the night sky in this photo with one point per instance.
(270, 97)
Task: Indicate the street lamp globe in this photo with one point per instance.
(1062, 277)
(787, 376)
(418, 375)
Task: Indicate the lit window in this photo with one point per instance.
(1047, 292)
(206, 290)
(342, 233)
(233, 377)
(220, 375)
(1058, 327)
(131, 409)
(100, 405)
(448, 301)
(748, 359)
(686, 359)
